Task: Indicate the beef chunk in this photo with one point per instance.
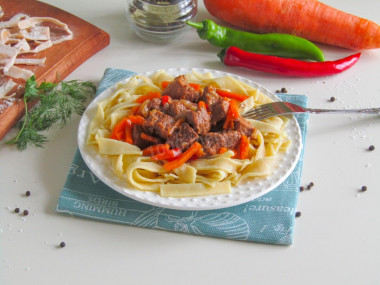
(179, 88)
(155, 103)
(213, 142)
(136, 136)
(217, 105)
(244, 127)
(183, 138)
(177, 108)
(199, 120)
(158, 124)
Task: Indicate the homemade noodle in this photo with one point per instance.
(203, 176)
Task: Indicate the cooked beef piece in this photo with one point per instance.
(199, 120)
(244, 127)
(136, 136)
(179, 88)
(158, 124)
(213, 142)
(155, 103)
(183, 138)
(217, 105)
(178, 108)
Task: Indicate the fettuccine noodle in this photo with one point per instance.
(204, 176)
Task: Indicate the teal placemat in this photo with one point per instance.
(268, 219)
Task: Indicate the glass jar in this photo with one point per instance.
(158, 20)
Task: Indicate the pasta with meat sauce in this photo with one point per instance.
(184, 136)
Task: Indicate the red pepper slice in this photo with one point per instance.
(171, 153)
(243, 148)
(155, 149)
(165, 99)
(234, 56)
(118, 132)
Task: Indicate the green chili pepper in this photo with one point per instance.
(283, 45)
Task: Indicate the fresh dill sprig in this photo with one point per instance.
(57, 102)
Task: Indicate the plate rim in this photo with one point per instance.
(181, 203)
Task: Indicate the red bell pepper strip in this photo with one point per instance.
(149, 95)
(231, 95)
(171, 153)
(223, 150)
(165, 99)
(155, 149)
(184, 157)
(234, 56)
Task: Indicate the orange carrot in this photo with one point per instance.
(232, 114)
(118, 132)
(155, 149)
(149, 96)
(183, 157)
(149, 138)
(242, 151)
(309, 19)
(128, 134)
(134, 110)
(231, 95)
(223, 150)
(135, 119)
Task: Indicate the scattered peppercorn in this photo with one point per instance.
(27, 193)
(17, 210)
(298, 214)
(309, 187)
(26, 212)
(62, 244)
(371, 148)
(302, 188)
(283, 90)
(332, 99)
(364, 188)
(311, 184)
(278, 91)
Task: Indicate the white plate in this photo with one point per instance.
(102, 168)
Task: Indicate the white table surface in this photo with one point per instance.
(336, 238)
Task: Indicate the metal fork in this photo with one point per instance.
(281, 108)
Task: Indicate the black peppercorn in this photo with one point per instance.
(27, 193)
(17, 210)
(26, 212)
(302, 188)
(364, 188)
(298, 214)
(371, 147)
(332, 99)
(62, 244)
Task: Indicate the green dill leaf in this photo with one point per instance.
(56, 105)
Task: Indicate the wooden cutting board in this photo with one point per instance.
(61, 59)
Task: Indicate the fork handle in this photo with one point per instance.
(347, 111)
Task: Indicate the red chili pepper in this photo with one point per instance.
(234, 56)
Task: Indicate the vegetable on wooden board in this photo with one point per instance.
(309, 19)
(234, 56)
(283, 45)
